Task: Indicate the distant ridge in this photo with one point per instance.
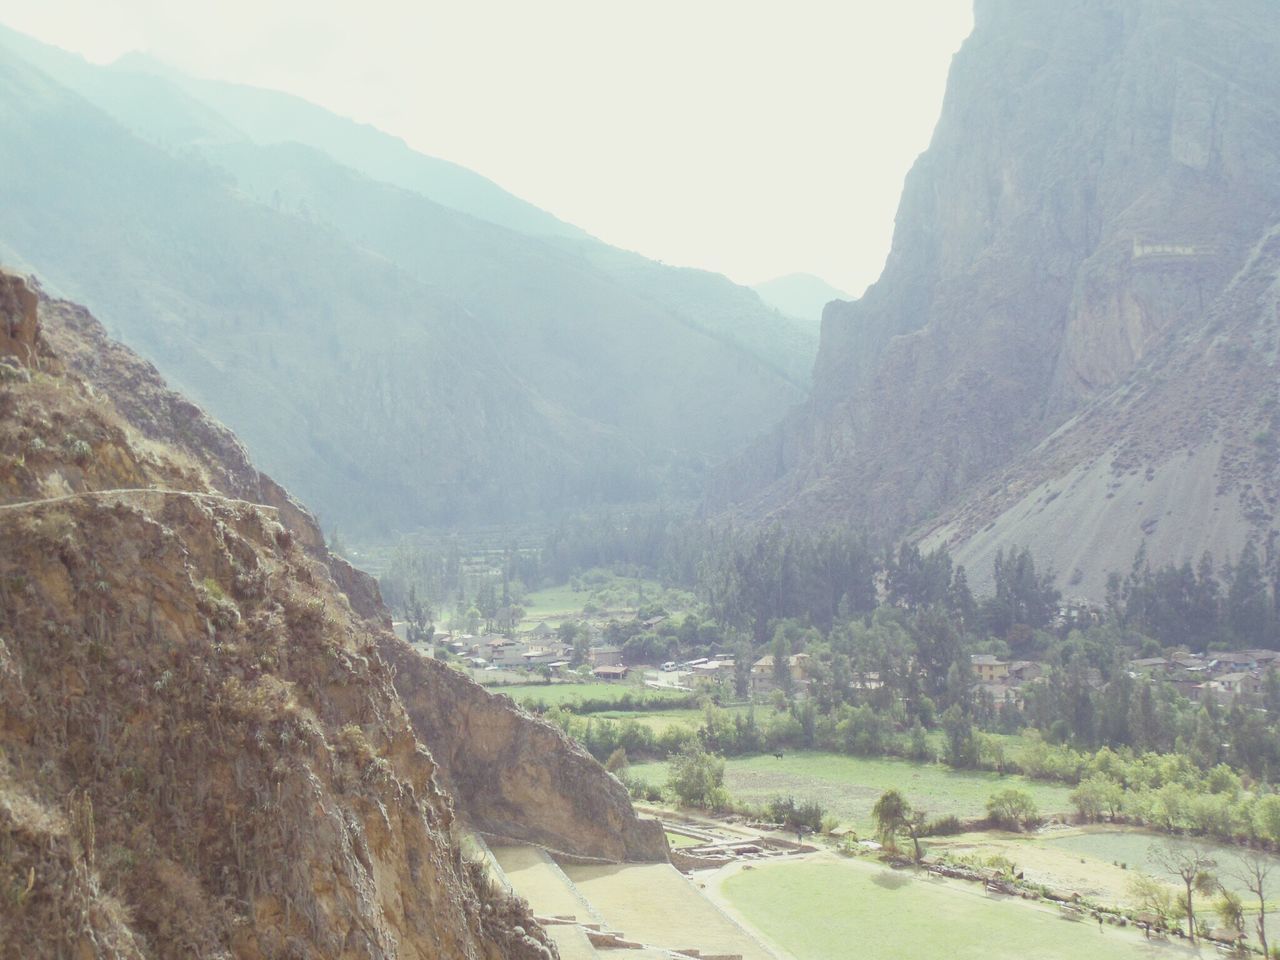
(396, 338)
(800, 295)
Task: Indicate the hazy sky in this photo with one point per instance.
(751, 138)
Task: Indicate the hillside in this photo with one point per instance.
(204, 749)
(397, 361)
(800, 295)
(1072, 345)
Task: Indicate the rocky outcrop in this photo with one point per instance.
(1101, 175)
(18, 333)
(516, 777)
(202, 747)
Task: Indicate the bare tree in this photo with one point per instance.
(1190, 863)
(1253, 869)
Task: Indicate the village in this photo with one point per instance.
(537, 653)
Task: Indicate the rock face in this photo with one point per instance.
(494, 759)
(1090, 217)
(202, 748)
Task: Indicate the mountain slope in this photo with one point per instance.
(800, 295)
(203, 746)
(1088, 220)
(396, 361)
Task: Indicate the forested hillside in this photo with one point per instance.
(398, 361)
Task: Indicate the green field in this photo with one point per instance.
(677, 841)
(1134, 848)
(829, 911)
(553, 694)
(562, 601)
(847, 787)
(618, 595)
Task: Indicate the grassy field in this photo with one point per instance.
(834, 910)
(617, 595)
(561, 601)
(677, 841)
(654, 904)
(554, 694)
(1111, 844)
(847, 787)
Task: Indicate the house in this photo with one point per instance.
(610, 673)
(1239, 682)
(764, 676)
(988, 668)
(1024, 671)
(711, 671)
(502, 652)
(1149, 665)
(868, 680)
(1235, 661)
(653, 623)
(536, 656)
(606, 656)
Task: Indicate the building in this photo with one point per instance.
(712, 671)
(764, 676)
(988, 668)
(1024, 671)
(610, 673)
(502, 652)
(606, 656)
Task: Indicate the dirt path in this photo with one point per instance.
(140, 491)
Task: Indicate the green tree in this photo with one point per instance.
(894, 816)
(742, 669)
(1012, 808)
(696, 777)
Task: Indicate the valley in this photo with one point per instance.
(392, 570)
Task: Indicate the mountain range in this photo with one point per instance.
(393, 336)
(800, 295)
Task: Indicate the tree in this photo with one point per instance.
(696, 777)
(1152, 896)
(1253, 870)
(1190, 863)
(742, 669)
(617, 762)
(1012, 808)
(894, 816)
(782, 661)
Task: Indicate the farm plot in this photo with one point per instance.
(847, 787)
(847, 909)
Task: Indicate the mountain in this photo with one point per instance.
(211, 744)
(396, 360)
(800, 295)
(1072, 344)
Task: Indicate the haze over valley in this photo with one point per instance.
(395, 563)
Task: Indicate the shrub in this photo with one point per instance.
(943, 827)
(795, 816)
(696, 778)
(1012, 809)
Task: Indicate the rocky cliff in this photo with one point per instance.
(1095, 200)
(202, 748)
